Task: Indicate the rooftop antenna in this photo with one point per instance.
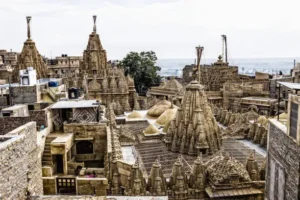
(224, 44)
(95, 28)
(28, 18)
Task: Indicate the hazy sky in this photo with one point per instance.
(171, 28)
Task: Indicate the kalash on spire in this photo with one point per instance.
(194, 129)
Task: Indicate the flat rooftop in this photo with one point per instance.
(294, 86)
(14, 107)
(75, 104)
(266, 99)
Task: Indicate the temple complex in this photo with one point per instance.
(30, 57)
(213, 76)
(80, 131)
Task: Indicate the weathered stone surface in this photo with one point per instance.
(20, 164)
(10, 123)
(283, 171)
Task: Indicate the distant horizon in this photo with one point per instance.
(171, 28)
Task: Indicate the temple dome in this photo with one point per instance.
(221, 168)
(134, 115)
(283, 116)
(151, 129)
(262, 120)
(167, 116)
(172, 84)
(159, 108)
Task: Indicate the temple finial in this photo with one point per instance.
(94, 28)
(199, 50)
(28, 18)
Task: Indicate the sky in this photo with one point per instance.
(171, 28)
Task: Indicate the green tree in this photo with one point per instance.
(142, 67)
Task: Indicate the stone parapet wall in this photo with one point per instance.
(283, 169)
(66, 197)
(91, 186)
(8, 124)
(49, 185)
(20, 164)
(24, 94)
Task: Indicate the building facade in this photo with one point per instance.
(283, 160)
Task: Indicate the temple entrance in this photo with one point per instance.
(84, 147)
(66, 185)
(59, 164)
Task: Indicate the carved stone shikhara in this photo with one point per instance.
(194, 129)
(30, 57)
(102, 80)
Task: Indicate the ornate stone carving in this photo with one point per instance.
(30, 57)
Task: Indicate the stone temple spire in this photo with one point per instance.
(30, 57)
(28, 18)
(94, 57)
(195, 129)
(95, 19)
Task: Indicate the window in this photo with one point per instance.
(293, 120)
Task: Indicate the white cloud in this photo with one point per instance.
(172, 28)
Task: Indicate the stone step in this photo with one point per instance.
(47, 143)
(47, 148)
(47, 159)
(47, 151)
(46, 155)
(47, 163)
(49, 139)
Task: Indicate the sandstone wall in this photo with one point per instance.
(8, 124)
(20, 164)
(283, 171)
(26, 94)
(90, 130)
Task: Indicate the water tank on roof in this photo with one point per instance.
(73, 93)
(53, 83)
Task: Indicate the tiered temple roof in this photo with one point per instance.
(30, 57)
(194, 129)
(102, 80)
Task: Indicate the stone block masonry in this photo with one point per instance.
(20, 164)
(283, 161)
(10, 123)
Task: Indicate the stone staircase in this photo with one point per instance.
(47, 159)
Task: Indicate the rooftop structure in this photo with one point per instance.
(64, 66)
